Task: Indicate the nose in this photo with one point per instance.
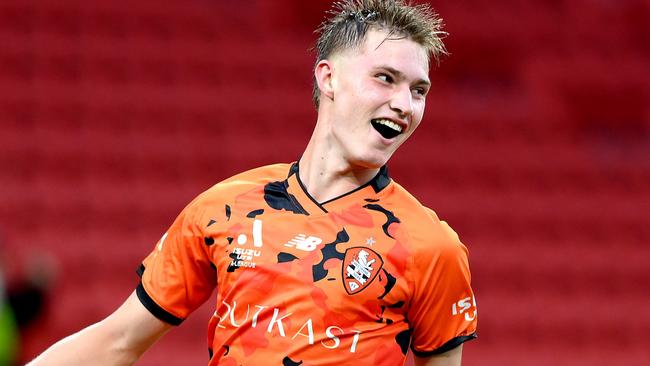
(402, 102)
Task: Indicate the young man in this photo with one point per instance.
(326, 261)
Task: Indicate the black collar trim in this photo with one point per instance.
(378, 183)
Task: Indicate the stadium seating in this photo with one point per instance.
(535, 148)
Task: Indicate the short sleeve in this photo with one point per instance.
(177, 276)
(443, 311)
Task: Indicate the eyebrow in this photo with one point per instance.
(401, 75)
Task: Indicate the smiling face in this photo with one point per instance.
(374, 97)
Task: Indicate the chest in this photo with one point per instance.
(345, 263)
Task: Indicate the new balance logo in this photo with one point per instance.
(304, 242)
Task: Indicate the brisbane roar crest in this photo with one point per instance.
(360, 267)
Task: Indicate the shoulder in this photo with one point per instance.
(227, 190)
(427, 233)
(436, 253)
(245, 181)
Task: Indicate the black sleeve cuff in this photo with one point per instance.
(451, 344)
(140, 270)
(154, 308)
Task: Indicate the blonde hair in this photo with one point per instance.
(349, 22)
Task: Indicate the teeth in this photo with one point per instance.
(390, 124)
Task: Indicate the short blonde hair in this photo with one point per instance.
(349, 22)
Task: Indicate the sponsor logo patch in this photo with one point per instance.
(360, 267)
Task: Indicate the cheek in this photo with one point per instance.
(354, 94)
(417, 116)
(370, 92)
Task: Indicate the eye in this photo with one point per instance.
(420, 91)
(385, 78)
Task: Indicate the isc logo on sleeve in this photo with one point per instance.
(462, 307)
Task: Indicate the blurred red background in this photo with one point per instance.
(535, 147)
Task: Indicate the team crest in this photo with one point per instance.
(360, 267)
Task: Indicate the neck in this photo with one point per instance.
(325, 172)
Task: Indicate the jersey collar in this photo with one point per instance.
(367, 191)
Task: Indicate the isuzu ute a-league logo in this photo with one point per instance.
(360, 266)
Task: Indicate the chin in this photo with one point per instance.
(370, 161)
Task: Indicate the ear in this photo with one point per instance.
(323, 72)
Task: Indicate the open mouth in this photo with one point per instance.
(386, 128)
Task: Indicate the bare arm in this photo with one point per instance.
(120, 339)
(449, 358)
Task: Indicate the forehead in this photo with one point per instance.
(379, 48)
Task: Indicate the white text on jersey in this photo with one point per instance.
(330, 338)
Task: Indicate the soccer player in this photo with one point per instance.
(324, 261)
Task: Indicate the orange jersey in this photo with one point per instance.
(355, 280)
